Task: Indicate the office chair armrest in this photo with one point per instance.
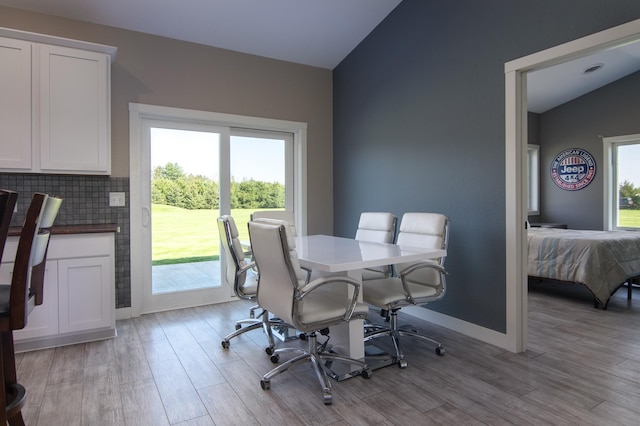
(423, 265)
(331, 279)
(308, 272)
(418, 266)
(246, 267)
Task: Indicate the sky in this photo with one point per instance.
(198, 154)
(629, 164)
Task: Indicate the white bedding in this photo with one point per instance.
(601, 260)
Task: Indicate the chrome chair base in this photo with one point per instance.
(252, 324)
(373, 331)
(320, 360)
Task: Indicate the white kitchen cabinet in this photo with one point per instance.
(79, 300)
(56, 115)
(84, 301)
(15, 104)
(74, 110)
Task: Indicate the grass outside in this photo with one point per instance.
(184, 236)
(629, 218)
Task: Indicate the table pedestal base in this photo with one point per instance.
(375, 358)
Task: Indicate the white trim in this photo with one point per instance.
(515, 139)
(463, 327)
(123, 313)
(59, 41)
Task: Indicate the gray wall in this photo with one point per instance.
(419, 125)
(613, 110)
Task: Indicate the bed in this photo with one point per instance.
(601, 260)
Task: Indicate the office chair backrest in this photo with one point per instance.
(425, 230)
(285, 215)
(280, 274)
(377, 227)
(232, 247)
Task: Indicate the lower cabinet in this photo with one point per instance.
(79, 300)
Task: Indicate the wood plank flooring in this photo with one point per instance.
(582, 368)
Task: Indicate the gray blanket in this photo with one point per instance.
(601, 260)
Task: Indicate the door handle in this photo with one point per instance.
(145, 216)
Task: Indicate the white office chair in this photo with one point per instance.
(285, 215)
(376, 227)
(241, 273)
(416, 283)
(311, 307)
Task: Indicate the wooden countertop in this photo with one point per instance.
(14, 231)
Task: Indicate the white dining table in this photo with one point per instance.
(324, 254)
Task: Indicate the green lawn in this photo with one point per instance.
(181, 236)
(629, 218)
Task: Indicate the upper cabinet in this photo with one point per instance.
(55, 117)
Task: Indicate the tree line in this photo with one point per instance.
(171, 186)
(629, 195)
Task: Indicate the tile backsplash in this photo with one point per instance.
(86, 201)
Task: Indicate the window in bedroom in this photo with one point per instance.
(622, 182)
(533, 179)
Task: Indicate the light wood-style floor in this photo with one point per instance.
(583, 367)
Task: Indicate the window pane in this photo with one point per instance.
(628, 185)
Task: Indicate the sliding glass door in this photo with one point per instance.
(187, 174)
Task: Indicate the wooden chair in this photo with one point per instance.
(18, 298)
(7, 204)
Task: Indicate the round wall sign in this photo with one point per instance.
(573, 169)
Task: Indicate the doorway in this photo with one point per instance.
(187, 169)
(515, 163)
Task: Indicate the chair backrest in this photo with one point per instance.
(36, 283)
(429, 230)
(280, 274)
(235, 258)
(284, 215)
(30, 257)
(377, 227)
(7, 204)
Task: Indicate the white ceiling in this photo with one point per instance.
(550, 87)
(319, 33)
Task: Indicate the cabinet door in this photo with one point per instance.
(43, 320)
(74, 110)
(15, 104)
(86, 294)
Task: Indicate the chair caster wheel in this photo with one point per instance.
(402, 363)
(226, 344)
(366, 373)
(269, 350)
(265, 384)
(440, 351)
(275, 358)
(327, 399)
(238, 326)
(303, 336)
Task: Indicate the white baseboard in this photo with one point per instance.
(123, 313)
(463, 327)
